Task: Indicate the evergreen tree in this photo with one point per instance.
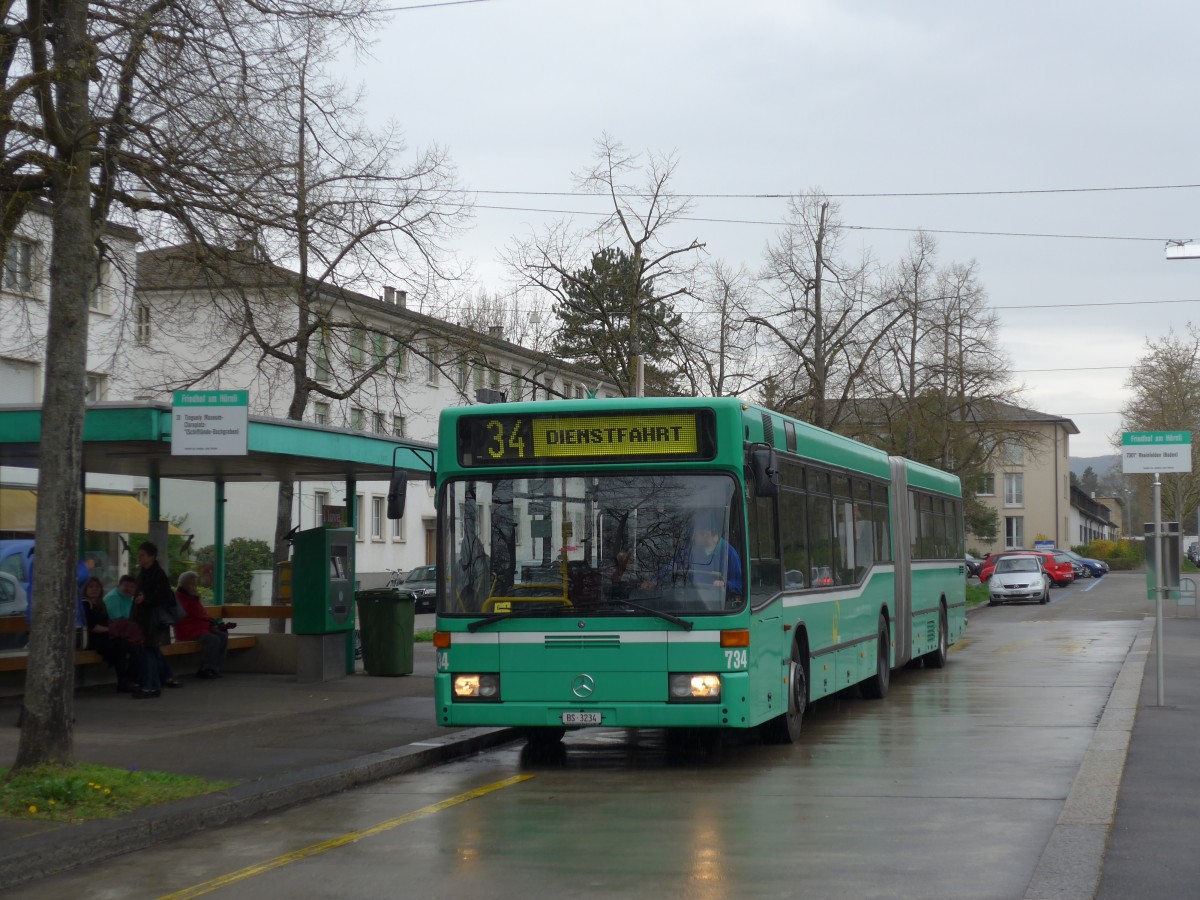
(596, 313)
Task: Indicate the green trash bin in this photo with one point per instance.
(386, 619)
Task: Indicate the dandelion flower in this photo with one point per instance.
(33, 809)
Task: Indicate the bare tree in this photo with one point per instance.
(824, 315)
(939, 387)
(1165, 396)
(719, 355)
(108, 105)
(641, 212)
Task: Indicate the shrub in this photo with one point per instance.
(1110, 551)
(242, 556)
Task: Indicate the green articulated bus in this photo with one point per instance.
(680, 563)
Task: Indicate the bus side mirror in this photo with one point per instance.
(765, 466)
(397, 491)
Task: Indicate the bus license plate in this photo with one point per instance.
(582, 718)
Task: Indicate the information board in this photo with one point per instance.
(1156, 451)
(210, 423)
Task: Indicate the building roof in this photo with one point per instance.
(180, 268)
(1088, 506)
(875, 412)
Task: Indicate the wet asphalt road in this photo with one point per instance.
(949, 788)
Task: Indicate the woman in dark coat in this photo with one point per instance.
(152, 593)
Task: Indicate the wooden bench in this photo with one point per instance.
(18, 660)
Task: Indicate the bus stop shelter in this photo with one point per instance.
(134, 439)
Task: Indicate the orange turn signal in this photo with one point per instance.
(441, 639)
(737, 637)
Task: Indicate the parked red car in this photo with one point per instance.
(1057, 565)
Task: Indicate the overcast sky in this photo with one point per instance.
(863, 97)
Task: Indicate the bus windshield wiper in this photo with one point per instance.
(682, 623)
(515, 614)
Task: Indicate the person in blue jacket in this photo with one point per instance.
(707, 560)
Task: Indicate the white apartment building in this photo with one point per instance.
(404, 368)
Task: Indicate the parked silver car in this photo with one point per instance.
(1018, 578)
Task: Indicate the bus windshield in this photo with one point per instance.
(594, 544)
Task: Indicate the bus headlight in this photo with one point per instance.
(482, 686)
(690, 687)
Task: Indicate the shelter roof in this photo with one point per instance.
(135, 439)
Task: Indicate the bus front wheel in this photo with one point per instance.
(785, 729)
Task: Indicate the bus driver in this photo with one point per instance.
(707, 560)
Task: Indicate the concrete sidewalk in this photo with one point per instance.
(284, 743)
(1153, 849)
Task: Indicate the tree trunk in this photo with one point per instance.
(46, 729)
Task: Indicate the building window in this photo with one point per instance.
(320, 501)
(515, 392)
(495, 378)
(479, 375)
(323, 373)
(358, 342)
(378, 348)
(358, 516)
(400, 360)
(1012, 453)
(1014, 489)
(378, 423)
(986, 485)
(377, 518)
(321, 413)
(1014, 531)
(398, 425)
(398, 531)
(463, 374)
(101, 292)
(141, 324)
(356, 419)
(18, 265)
(431, 371)
(97, 388)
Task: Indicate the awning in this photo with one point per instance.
(105, 512)
(18, 509)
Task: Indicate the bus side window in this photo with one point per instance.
(766, 576)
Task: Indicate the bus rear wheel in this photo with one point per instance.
(936, 659)
(785, 729)
(876, 687)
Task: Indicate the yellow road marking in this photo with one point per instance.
(332, 844)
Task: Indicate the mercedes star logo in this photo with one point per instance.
(583, 686)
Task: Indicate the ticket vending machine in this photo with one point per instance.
(322, 601)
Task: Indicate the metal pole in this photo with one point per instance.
(1158, 586)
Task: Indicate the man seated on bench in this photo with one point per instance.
(197, 625)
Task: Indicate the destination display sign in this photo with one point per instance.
(498, 440)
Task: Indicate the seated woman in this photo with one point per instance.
(197, 625)
(117, 646)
